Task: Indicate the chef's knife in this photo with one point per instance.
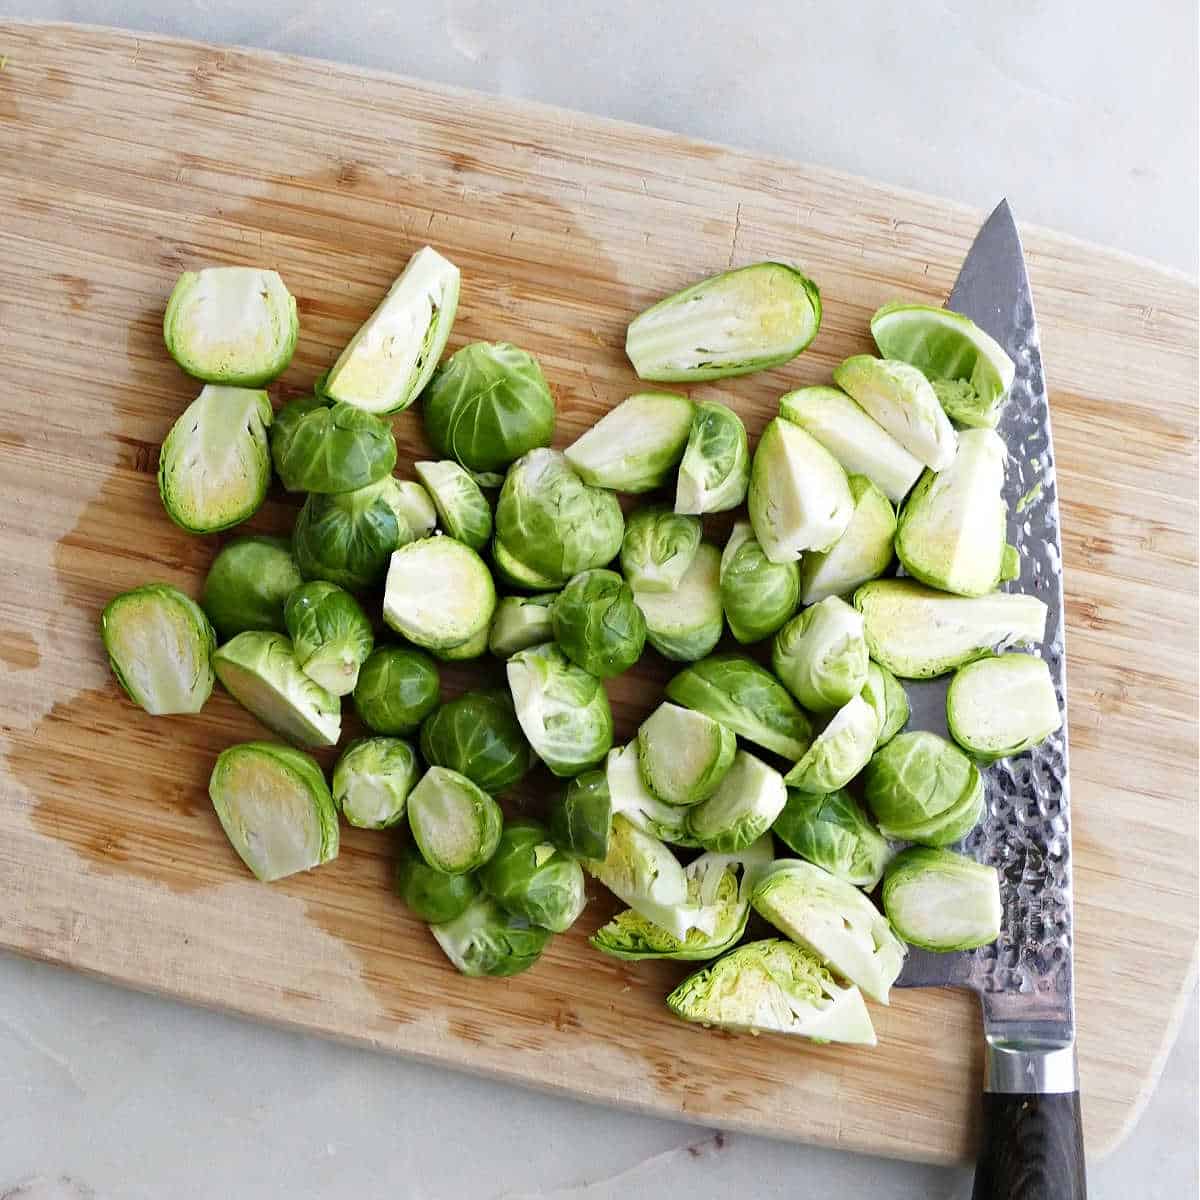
(1032, 1137)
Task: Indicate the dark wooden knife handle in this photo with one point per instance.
(1032, 1148)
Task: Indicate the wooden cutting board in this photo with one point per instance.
(125, 160)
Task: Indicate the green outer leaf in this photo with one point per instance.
(715, 470)
(372, 780)
(477, 734)
(758, 596)
(455, 824)
(833, 832)
(463, 509)
(597, 624)
(398, 687)
(529, 877)
(485, 940)
(658, 548)
(997, 707)
(942, 901)
(433, 895)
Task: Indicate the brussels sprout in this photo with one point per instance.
(413, 507)
(743, 807)
(840, 750)
(799, 497)
(631, 798)
(581, 818)
(917, 633)
(433, 895)
(331, 636)
(597, 625)
(715, 470)
(1001, 706)
(658, 548)
(515, 573)
(531, 878)
(635, 446)
(683, 755)
(473, 647)
(234, 325)
(393, 354)
(970, 372)
(883, 692)
(562, 709)
(485, 940)
(857, 441)
(741, 695)
(248, 584)
(478, 736)
(455, 824)
(520, 622)
(833, 920)
(322, 447)
(740, 321)
(372, 779)
(757, 595)
(554, 524)
(160, 645)
(275, 809)
(488, 405)
(439, 594)
(397, 689)
(942, 901)
(862, 553)
(685, 625)
(771, 986)
(215, 463)
(821, 656)
(833, 832)
(902, 400)
(462, 507)
(921, 788)
(950, 532)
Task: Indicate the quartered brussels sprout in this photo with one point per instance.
(969, 370)
(234, 325)
(531, 878)
(820, 655)
(511, 571)
(857, 441)
(321, 447)
(685, 625)
(771, 986)
(248, 584)
(487, 405)
(832, 831)
(562, 709)
(758, 596)
(372, 779)
(920, 788)
(862, 553)
(743, 320)
(520, 622)
(432, 895)
(462, 508)
(741, 695)
(839, 751)
(631, 798)
(160, 645)
(715, 470)
(580, 820)
(214, 467)
(455, 824)
(597, 625)
(1001, 706)
(414, 507)
(331, 636)
(397, 689)
(833, 920)
(885, 694)
(391, 357)
(942, 901)
(903, 401)
(658, 548)
(683, 754)
(486, 940)
(799, 497)
(741, 809)
(916, 632)
(275, 808)
(635, 446)
(477, 734)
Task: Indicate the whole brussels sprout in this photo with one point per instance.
(758, 596)
(821, 656)
(431, 894)
(248, 585)
(531, 878)
(462, 507)
(581, 818)
(397, 689)
(478, 735)
(597, 625)
(318, 446)
(372, 779)
(658, 548)
(331, 636)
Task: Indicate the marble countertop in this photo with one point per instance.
(1089, 127)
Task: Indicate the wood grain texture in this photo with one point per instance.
(124, 160)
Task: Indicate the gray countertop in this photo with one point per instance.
(1089, 126)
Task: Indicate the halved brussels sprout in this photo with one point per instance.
(531, 878)
(477, 734)
(743, 320)
(942, 901)
(683, 754)
(520, 622)
(580, 819)
(799, 498)
(397, 689)
(562, 709)
(758, 596)
(916, 632)
(234, 325)
(631, 798)
(439, 594)
(461, 505)
(635, 446)
(597, 624)
(715, 470)
(214, 467)
(511, 571)
(862, 553)
(1001, 706)
(820, 655)
(275, 808)
(658, 547)
(685, 625)
(414, 507)
(743, 807)
(372, 780)
(455, 824)
(832, 831)
(433, 895)
(393, 354)
(741, 695)
(840, 750)
(771, 986)
(884, 693)
(485, 940)
(160, 646)
(321, 447)
(331, 636)
(248, 584)
(486, 406)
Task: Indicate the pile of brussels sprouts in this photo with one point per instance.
(809, 751)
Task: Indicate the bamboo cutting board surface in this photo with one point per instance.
(125, 160)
